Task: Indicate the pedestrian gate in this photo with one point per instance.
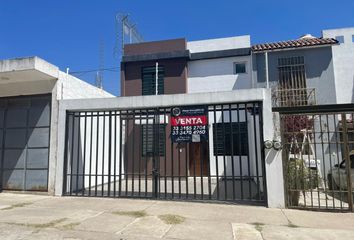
(130, 153)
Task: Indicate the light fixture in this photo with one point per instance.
(277, 145)
(268, 144)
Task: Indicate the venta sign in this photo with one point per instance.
(189, 124)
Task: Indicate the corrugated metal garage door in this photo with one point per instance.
(24, 142)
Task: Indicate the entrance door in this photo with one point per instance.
(24, 143)
(198, 155)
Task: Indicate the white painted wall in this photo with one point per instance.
(213, 75)
(218, 44)
(343, 61)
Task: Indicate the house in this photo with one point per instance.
(30, 90)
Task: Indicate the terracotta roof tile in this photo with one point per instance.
(303, 42)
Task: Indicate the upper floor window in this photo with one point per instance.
(353, 38)
(340, 39)
(149, 80)
(240, 68)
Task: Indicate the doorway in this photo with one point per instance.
(198, 159)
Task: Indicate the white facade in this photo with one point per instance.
(343, 61)
(213, 75)
(218, 74)
(219, 44)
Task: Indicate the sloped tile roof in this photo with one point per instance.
(298, 43)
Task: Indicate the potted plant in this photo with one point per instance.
(300, 179)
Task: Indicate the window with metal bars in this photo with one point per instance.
(230, 139)
(292, 81)
(148, 142)
(149, 80)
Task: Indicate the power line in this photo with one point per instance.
(94, 70)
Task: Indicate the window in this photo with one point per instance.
(149, 80)
(240, 68)
(353, 38)
(229, 141)
(292, 81)
(147, 139)
(340, 39)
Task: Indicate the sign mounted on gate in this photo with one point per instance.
(189, 124)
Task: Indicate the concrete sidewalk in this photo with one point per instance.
(24, 216)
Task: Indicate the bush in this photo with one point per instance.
(300, 179)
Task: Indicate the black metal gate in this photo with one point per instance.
(129, 153)
(318, 156)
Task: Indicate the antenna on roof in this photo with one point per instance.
(99, 73)
(126, 33)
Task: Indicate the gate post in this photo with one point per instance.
(273, 158)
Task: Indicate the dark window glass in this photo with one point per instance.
(240, 68)
(229, 141)
(147, 139)
(149, 80)
(353, 38)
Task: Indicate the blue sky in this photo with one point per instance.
(67, 33)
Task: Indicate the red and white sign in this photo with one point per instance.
(189, 120)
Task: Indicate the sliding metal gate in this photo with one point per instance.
(318, 156)
(129, 153)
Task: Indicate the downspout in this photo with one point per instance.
(266, 69)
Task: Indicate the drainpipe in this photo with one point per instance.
(266, 69)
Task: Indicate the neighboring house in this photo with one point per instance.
(30, 90)
(343, 61)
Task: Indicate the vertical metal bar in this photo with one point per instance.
(208, 151)
(172, 168)
(240, 148)
(232, 152)
(217, 153)
(254, 110)
(139, 153)
(260, 123)
(337, 132)
(84, 157)
(165, 151)
(179, 170)
(103, 151)
(201, 169)
(330, 158)
(347, 161)
(120, 153)
(126, 166)
(186, 158)
(78, 154)
(146, 151)
(248, 158)
(224, 153)
(115, 155)
(97, 146)
(91, 141)
(324, 164)
(109, 152)
(72, 154)
(194, 178)
(133, 151)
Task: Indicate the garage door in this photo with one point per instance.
(24, 142)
